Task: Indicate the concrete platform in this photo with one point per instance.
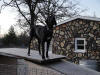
(22, 53)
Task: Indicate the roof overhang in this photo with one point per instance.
(79, 17)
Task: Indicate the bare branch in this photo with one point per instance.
(21, 12)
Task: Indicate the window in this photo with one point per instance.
(80, 44)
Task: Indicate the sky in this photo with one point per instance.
(92, 7)
(8, 16)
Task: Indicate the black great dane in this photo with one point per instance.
(43, 34)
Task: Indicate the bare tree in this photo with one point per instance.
(25, 7)
(61, 9)
(36, 11)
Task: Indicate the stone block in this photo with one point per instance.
(68, 47)
(59, 48)
(62, 33)
(62, 44)
(91, 35)
(97, 57)
(72, 27)
(80, 22)
(57, 31)
(91, 23)
(98, 42)
(93, 57)
(66, 36)
(82, 35)
(57, 28)
(67, 51)
(54, 31)
(94, 27)
(80, 55)
(64, 25)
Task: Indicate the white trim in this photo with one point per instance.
(80, 50)
(81, 17)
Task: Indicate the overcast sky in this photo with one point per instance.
(8, 16)
(92, 6)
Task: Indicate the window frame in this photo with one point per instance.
(76, 45)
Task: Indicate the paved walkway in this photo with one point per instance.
(36, 69)
(29, 68)
(72, 69)
(58, 68)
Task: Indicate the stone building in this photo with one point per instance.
(76, 37)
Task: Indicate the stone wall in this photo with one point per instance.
(65, 34)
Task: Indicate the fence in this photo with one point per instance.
(24, 70)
